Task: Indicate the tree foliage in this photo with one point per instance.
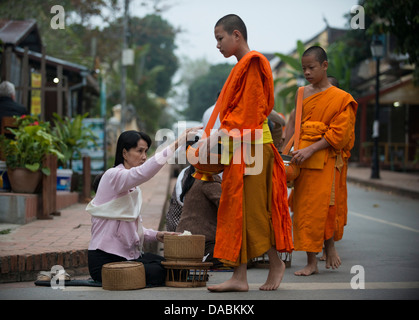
(204, 91)
(285, 97)
(67, 43)
(156, 32)
(85, 43)
(400, 18)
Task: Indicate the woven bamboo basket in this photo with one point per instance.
(126, 275)
(184, 248)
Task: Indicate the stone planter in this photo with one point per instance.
(23, 180)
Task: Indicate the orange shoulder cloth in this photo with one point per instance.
(247, 97)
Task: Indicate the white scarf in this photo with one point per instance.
(125, 208)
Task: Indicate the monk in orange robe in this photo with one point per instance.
(253, 215)
(319, 199)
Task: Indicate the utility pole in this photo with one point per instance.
(377, 52)
(124, 66)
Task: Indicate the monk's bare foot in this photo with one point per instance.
(276, 271)
(332, 258)
(310, 268)
(229, 286)
(323, 257)
(237, 283)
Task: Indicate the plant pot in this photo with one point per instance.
(23, 180)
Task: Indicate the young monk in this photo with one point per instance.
(253, 215)
(327, 135)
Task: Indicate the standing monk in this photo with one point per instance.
(253, 215)
(327, 135)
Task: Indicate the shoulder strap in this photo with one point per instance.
(213, 118)
(298, 112)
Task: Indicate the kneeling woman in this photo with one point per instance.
(117, 231)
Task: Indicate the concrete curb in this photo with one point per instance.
(18, 268)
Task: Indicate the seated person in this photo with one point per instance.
(199, 213)
(117, 231)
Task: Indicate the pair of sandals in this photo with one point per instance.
(48, 275)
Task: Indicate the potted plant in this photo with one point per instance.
(73, 137)
(25, 153)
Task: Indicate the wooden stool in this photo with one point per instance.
(186, 274)
(126, 275)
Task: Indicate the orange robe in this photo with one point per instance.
(246, 100)
(319, 200)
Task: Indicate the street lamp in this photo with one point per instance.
(377, 52)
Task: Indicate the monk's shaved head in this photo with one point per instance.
(233, 22)
(317, 52)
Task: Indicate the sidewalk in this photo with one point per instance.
(404, 184)
(39, 245)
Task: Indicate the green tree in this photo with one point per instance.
(156, 32)
(203, 92)
(338, 64)
(64, 43)
(189, 71)
(139, 92)
(285, 97)
(400, 18)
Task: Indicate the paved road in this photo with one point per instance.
(379, 250)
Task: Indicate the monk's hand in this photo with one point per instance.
(299, 156)
(160, 235)
(187, 135)
(191, 133)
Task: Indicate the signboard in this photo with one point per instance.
(95, 152)
(36, 80)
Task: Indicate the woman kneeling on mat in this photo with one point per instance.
(117, 231)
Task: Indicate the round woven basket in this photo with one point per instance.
(184, 248)
(126, 275)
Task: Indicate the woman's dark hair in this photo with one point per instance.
(187, 182)
(127, 140)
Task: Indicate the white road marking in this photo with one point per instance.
(383, 221)
(289, 286)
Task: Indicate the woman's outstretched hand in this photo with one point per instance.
(160, 235)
